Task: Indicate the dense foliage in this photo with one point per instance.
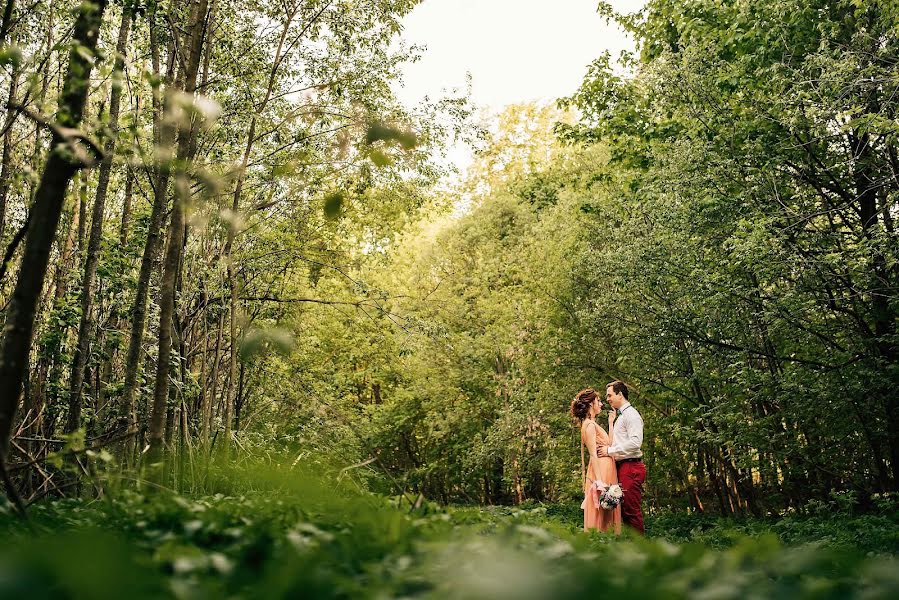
(716, 229)
(228, 163)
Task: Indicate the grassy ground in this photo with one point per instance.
(277, 534)
(875, 532)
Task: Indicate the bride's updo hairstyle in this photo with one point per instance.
(581, 404)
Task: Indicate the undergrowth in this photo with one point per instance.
(273, 531)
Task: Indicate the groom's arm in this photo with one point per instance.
(633, 438)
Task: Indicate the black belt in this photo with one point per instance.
(624, 460)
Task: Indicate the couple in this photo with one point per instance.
(615, 458)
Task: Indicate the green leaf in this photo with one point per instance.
(284, 169)
(259, 341)
(381, 132)
(333, 204)
(74, 440)
(10, 55)
(55, 459)
(379, 158)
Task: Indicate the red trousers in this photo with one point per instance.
(631, 476)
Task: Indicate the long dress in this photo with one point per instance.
(599, 469)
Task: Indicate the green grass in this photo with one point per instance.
(277, 533)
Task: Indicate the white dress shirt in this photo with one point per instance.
(628, 434)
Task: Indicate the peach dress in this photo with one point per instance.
(598, 469)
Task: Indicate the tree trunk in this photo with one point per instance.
(81, 185)
(174, 246)
(6, 164)
(164, 139)
(85, 326)
(882, 312)
(240, 397)
(6, 24)
(126, 207)
(213, 382)
(48, 365)
(48, 202)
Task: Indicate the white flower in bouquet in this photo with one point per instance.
(611, 497)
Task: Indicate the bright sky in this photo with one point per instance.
(515, 50)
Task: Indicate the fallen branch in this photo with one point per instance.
(31, 463)
(356, 466)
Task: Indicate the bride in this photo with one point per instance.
(599, 472)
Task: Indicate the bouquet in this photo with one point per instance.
(605, 495)
(611, 497)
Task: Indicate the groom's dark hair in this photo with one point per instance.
(618, 387)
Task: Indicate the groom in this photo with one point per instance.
(625, 449)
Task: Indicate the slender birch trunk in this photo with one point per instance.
(163, 139)
(174, 246)
(86, 324)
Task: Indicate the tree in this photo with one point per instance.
(199, 13)
(82, 347)
(66, 157)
